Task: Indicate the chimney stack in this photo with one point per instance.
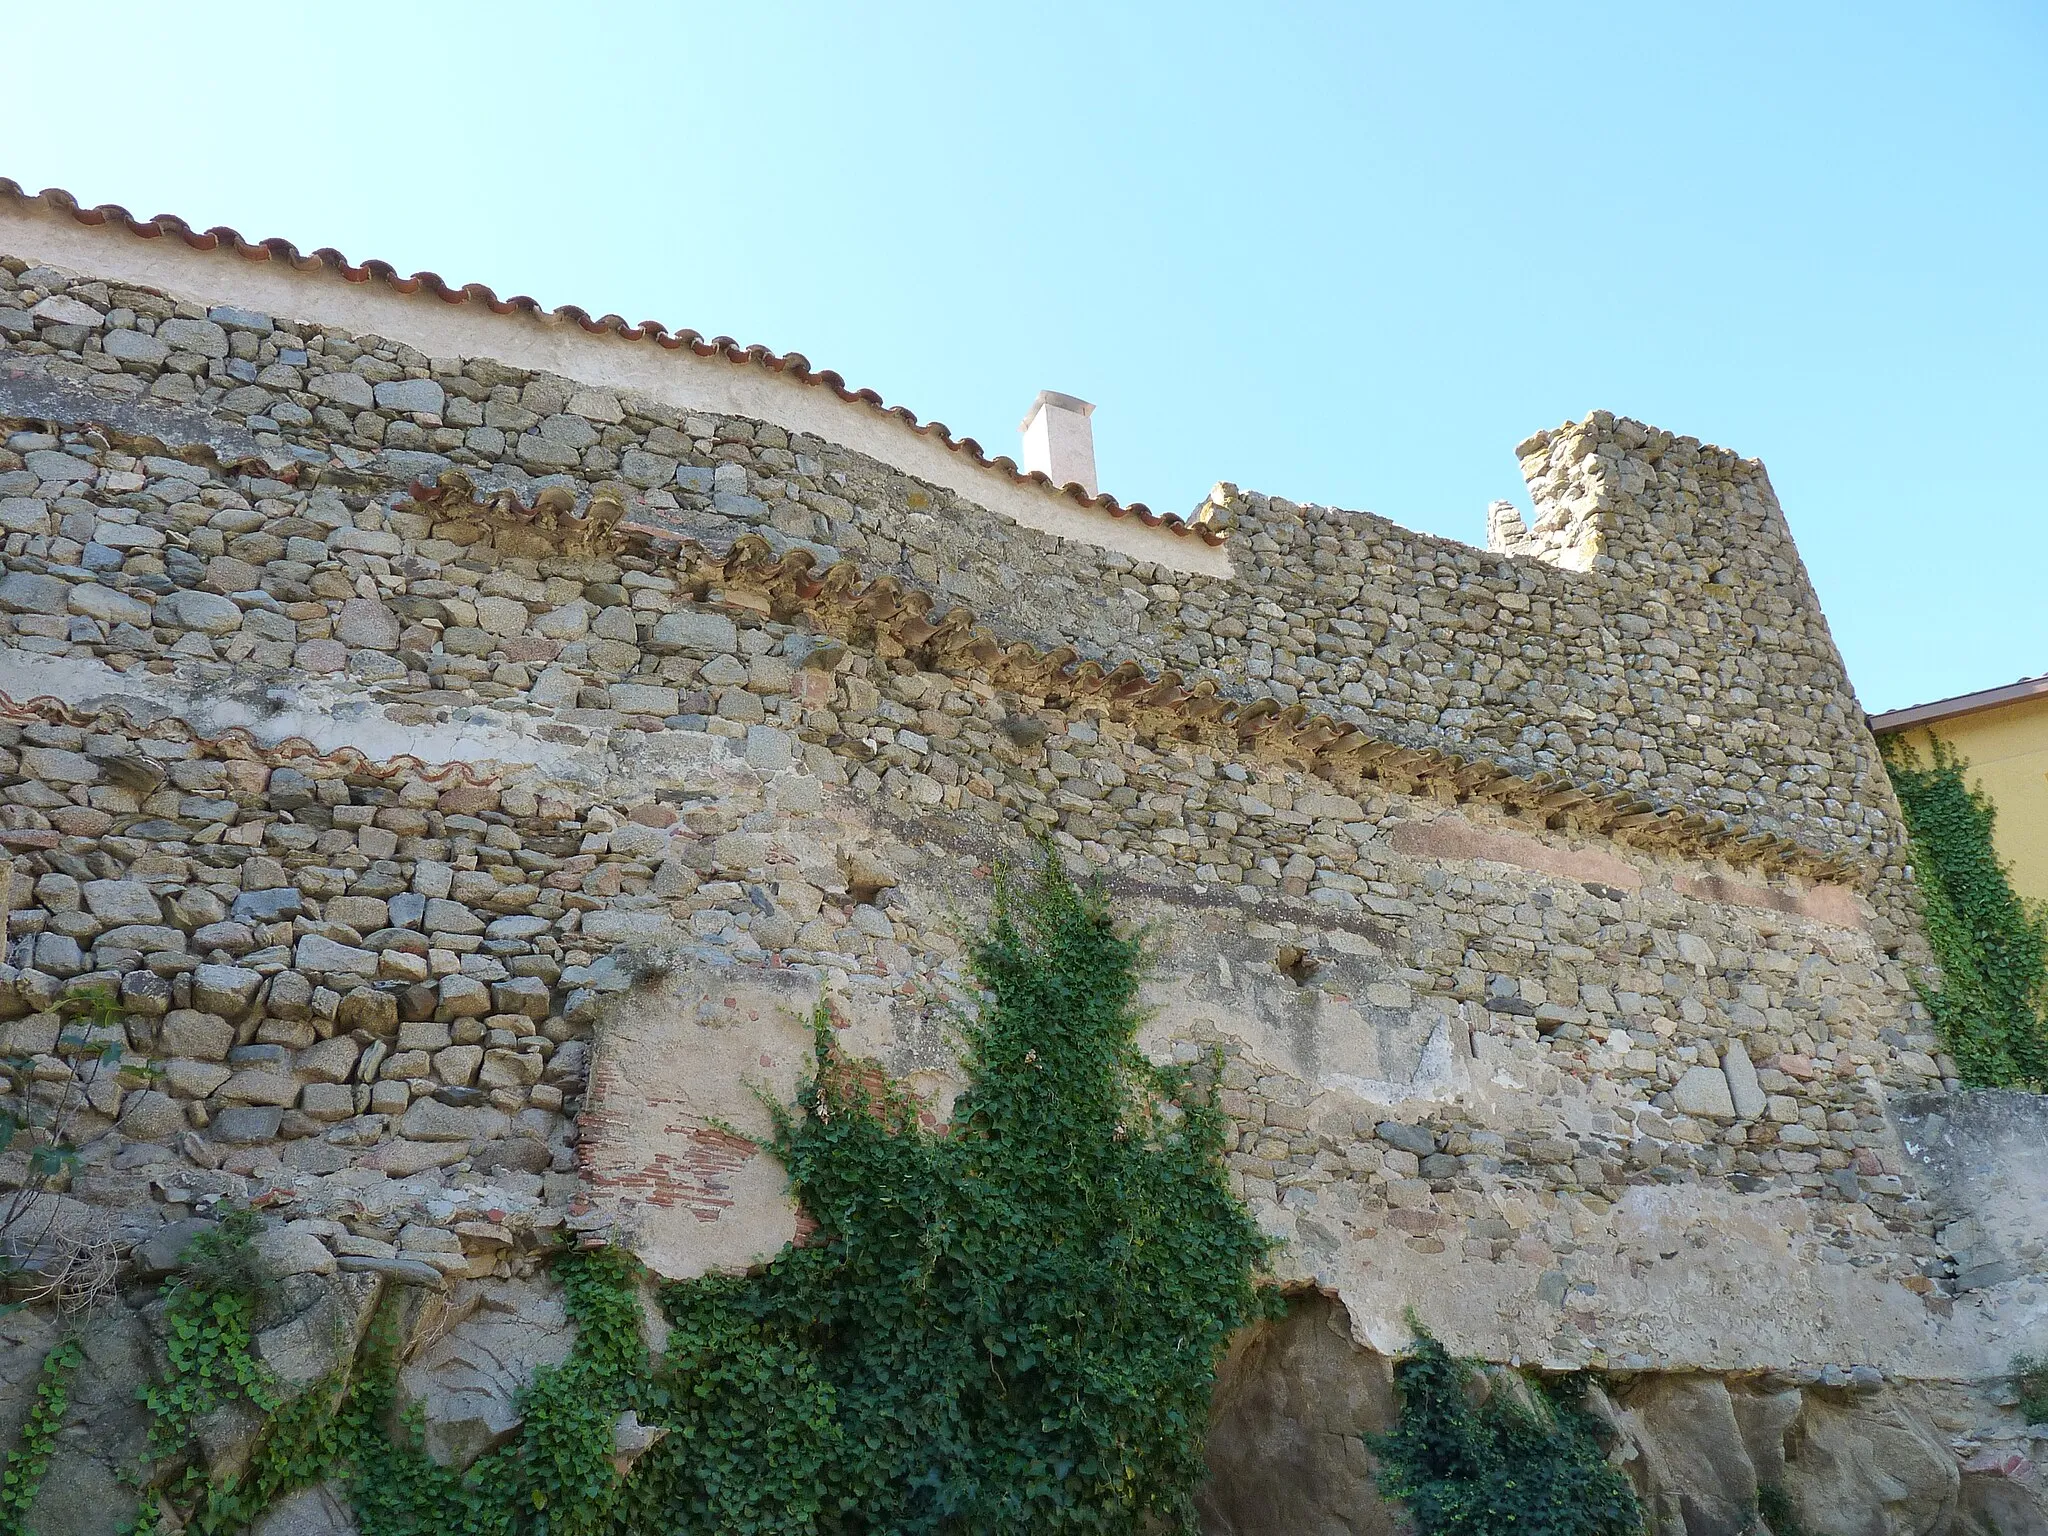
(1059, 440)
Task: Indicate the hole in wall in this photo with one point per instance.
(1298, 965)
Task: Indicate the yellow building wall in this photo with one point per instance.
(2007, 753)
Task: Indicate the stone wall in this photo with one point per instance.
(1641, 673)
(467, 781)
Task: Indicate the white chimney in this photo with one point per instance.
(1059, 440)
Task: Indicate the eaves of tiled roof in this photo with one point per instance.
(792, 364)
(1962, 704)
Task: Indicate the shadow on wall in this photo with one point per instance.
(1296, 1398)
(1293, 1401)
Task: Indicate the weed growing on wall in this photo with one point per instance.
(42, 1260)
(1775, 1505)
(1007, 1325)
(1993, 951)
(2030, 1380)
(1528, 1459)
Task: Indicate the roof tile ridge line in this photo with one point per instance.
(1622, 811)
(278, 249)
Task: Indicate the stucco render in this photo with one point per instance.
(2007, 752)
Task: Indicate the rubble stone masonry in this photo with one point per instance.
(469, 778)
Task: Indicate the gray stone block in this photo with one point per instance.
(247, 1124)
(233, 319)
(399, 1271)
(163, 1250)
(1409, 1138)
(411, 395)
(1744, 1091)
(148, 1115)
(202, 611)
(1704, 1091)
(279, 904)
(134, 347)
(768, 749)
(201, 336)
(692, 630)
(430, 1120)
(224, 989)
(27, 592)
(325, 956)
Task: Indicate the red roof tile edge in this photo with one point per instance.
(795, 364)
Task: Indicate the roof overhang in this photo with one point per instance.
(1962, 704)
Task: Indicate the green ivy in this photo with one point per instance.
(1017, 1320)
(1775, 1505)
(1993, 950)
(303, 1441)
(2030, 1380)
(1527, 1461)
(1006, 1325)
(22, 1476)
(207, 1337)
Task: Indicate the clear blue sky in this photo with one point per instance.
(1343, 253)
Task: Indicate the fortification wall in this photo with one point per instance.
(1623, 642)
(462, 860)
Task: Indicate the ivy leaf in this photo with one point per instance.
(51, 1159)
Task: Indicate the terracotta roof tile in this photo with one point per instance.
(794, 364)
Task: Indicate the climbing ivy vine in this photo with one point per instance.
(1015, 1323)
(22, 1475)
(1992, 949)
(1006, 1325)
(208, 1330)
(1528, 1459)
